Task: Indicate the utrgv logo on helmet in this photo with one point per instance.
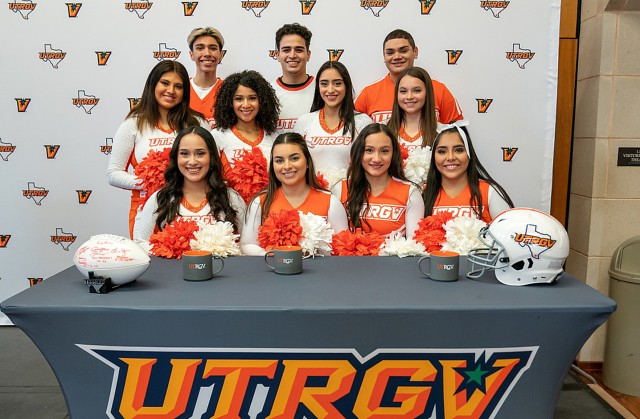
(426, 6)
(376, 6)
(6, 149)
(335, 54)
(84, 101)
(520, 55)
(189, 7)
(139, 8)
(166, 53)
(103, 57)
(52, 55)
(496, 7)
(257, 7)
(36, 193)
(23, 103)
(25, 7)
(73, 9)
(534, 240)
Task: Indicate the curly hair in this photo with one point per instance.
(475, 173)
(180, 116)
(347, 110)
(269, 105)
(293, 29)
(170, 196)
(428, 121)
(358, 186)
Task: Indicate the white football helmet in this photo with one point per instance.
(523, 246)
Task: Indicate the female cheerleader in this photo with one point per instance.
(376, 194)
(457, 182)
(246, 116)
(293, 185)
(194, 188)
(413, 116)
(332, 124)
(152, 124)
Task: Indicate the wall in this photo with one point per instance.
(604, 208)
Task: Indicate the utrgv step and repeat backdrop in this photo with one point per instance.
(72, 70)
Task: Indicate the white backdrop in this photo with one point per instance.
(70, 69)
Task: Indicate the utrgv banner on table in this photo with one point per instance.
(73, 70)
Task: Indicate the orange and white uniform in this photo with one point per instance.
(320, 203)
(130, 146)
(398, 209)
(330, 149)
(204, 100)
(145, 224)
(294, 102)
(376, 100)
(459, 206)
(231, 143)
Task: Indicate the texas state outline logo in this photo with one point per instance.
(375, 6)
(85, 101)
(23, 7)
(314, 383)
(6, 149)
(35, 193)
(140, 8)
(520, 56)
(52, 55)
(166, 53)
(496, 7)
(65, 240)
(108, 145)
(256, 7)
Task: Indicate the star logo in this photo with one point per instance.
(475, 376)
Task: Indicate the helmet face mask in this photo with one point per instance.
(522, 246)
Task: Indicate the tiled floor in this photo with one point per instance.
(28, 387)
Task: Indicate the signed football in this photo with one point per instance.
(115, 257)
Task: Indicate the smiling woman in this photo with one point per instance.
(151, 127)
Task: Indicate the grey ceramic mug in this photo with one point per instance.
(443, 266)
(287, 260)
(197, 265)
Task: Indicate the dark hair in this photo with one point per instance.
(399, 34)
(170, 196)
(293, 29)
(269, 105)
(475, 173)
(428, 121)
(274, 183)
(180, 116)
(358, 186)
(347, 110)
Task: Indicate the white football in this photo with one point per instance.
(108, 255)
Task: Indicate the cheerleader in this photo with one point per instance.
(293, 185)
(457, 182)
(413, 116)
(376, 194)
(151, 125)
(246, 116)
(332, 124)
(194, 188)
